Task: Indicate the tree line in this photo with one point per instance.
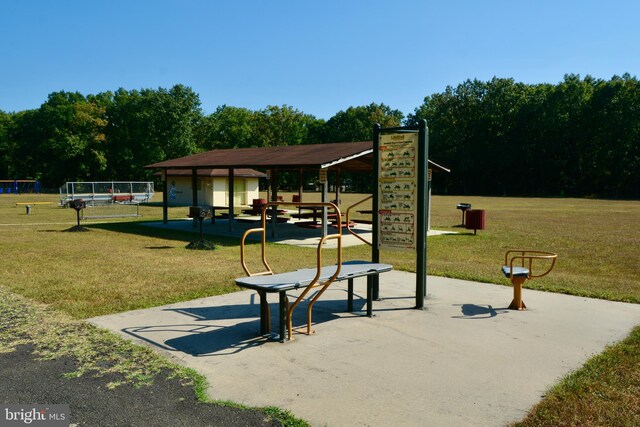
(579, 137)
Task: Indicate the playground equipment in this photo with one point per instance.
(520, 274)
(107, 199)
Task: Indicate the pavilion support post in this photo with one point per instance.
(429, 205)
(232, 197)
(274, 198)
(301, 184)
(194, 192)
(337, 186)
(325, 198)
(269, 185)
(165, 197)
(300, 189)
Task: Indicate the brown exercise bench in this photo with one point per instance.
(518, 274)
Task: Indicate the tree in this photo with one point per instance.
(227, 127)
(63, 140)
(150, 126)
(274, 126)
(457, 133)
(6, 146)
(356, 123)
(614, 150)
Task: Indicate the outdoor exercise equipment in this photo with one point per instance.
(266, 281)
(518, 274)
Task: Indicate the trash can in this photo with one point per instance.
(475, 220)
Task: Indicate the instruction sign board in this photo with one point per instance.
(397, 190)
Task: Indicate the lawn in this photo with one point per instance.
(121, 265)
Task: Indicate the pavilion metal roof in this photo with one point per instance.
(353, 156)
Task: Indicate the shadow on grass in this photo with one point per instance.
(138, 228)
(457, 234)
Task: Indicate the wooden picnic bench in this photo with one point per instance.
(267, 281)
(33, 203)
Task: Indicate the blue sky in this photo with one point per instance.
(317, 56)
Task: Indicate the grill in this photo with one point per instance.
(463, 207)
(198, 212)
(78, 205)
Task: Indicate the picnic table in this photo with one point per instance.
(217, 208)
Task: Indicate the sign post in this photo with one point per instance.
(401, 202)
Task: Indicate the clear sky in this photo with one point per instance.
(318, 56)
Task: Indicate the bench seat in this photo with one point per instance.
(517, 271)
(283, 282)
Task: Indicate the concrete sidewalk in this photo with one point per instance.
(465, 360)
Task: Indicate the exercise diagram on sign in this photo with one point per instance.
(397, 190)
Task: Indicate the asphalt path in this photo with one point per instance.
(26, 380)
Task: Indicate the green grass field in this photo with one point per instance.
(121, 265)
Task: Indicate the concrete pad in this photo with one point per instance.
(287, 233)
(465, 360)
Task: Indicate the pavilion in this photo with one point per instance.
(334, 158)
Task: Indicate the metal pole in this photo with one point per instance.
(375, 242)
(423, 206)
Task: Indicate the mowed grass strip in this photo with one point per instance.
(116, 269)
(604, 392)
(597, 241)
(121, 265)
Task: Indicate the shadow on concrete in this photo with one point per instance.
(473, 311)
(227, 335)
